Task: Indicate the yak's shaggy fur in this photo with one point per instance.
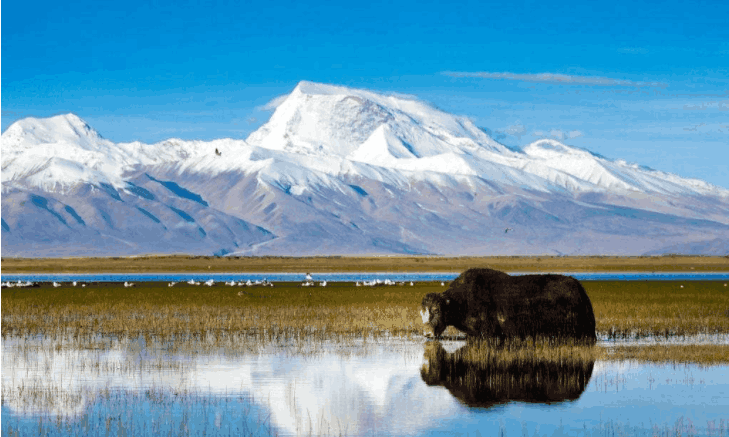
(492, 305)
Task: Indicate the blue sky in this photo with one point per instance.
(643, 81)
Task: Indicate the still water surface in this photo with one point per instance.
(389, 387)
(345, 277)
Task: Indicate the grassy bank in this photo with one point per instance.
(622, 309)
(156, 264)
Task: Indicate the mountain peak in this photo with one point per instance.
(313, 88)
(336, 120)
(64, 128)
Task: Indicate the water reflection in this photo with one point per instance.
(500, 379)
(389, 387)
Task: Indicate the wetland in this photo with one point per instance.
(342, 359)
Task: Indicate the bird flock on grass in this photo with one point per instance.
(308, 282)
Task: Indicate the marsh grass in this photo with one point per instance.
(520, 353)
(636, 309)
(527, 354)
(209, 264)
(289, 312)
(706, 355)
(285, 311)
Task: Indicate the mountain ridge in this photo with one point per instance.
(338, 170)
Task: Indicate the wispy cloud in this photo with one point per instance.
(516, 130)
(556, 78)
(558, 134)
(721, 106)
(634, 50)
(695, 128)
(273, 103)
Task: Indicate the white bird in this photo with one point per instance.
(56, 284)
(209, 282)
(74, 283)
(171, 284)
(308, 277)
(128, 284)
(323, 283)
(358, 284)
(442, 284)
(411, 283)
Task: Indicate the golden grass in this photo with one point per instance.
(572, 355)
(182, 263)
(634, 309)
(694, 354)
(622, 309)
(482, 354)
(285, 310)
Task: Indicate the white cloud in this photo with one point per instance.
(273, 103)
(516, 130)
(574, 134)
(555, 78)
(558, 134)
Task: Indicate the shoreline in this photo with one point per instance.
(318, 276)
(175, 264)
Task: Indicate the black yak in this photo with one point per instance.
(491, 305)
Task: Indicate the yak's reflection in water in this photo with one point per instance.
(501, 377)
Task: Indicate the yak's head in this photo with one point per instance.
(434, 312)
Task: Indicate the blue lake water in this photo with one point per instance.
(392, 387)
(343, 277)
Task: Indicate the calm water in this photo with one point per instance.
(394, 387)
(344, 277)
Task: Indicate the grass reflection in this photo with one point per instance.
(482, 376)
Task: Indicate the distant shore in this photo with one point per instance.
(323, 264)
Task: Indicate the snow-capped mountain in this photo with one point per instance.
(341, 171)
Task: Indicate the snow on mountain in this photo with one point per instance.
(610, 175)
(59, 152)
(68, 128)
(338, 170)
(406, 134)
(333, 120)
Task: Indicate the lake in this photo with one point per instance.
(390, 387)
(346, 277)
